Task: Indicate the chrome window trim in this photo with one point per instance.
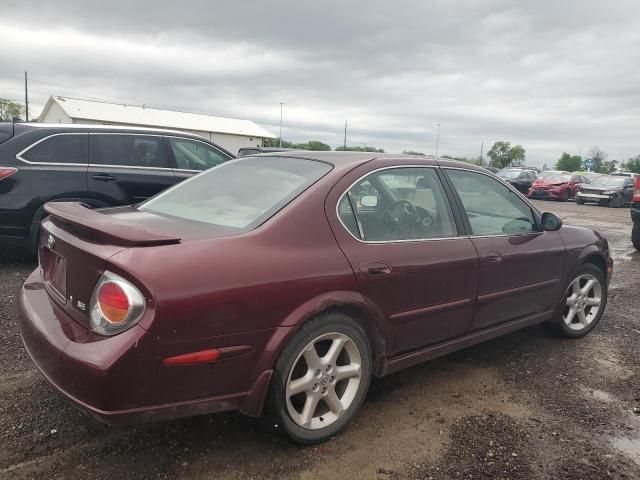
(19, 155)
(512, 189)
(378, 242)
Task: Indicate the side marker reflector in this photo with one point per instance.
(203, 356)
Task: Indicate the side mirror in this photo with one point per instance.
(369, 201)
(550, 222)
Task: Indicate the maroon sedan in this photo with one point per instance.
(280, 284)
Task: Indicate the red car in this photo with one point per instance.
(281, 284)
(556, 186)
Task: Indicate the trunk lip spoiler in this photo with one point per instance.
(81, 215)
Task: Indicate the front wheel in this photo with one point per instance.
(579, 201)
(321, 378)
(635, 236)
(616, 202)
(565, 196)
(585, 301)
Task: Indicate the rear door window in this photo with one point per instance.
(195, 155)
(64, 148)
(128, 150)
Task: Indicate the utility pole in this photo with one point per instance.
(438, 141)
(281, 104)
(345, 135)
(481, 149)
(26, 97)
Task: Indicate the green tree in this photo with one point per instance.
(310, 145)
(502, 155)
(10, 110)
(633, 165)
(360, 149)
(569, 163)
(598, 157)
(608, 167)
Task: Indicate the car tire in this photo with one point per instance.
(565, 196)
(306, 389)
(635, 236)
(616, 202)
(579, 201)
(587, 302)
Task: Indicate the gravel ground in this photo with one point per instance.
(525, 406)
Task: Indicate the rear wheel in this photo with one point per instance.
(585, 301)
(635, 236)
(565, 195)
(579, 201)
(321, 378)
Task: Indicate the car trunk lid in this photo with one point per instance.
(75, 246)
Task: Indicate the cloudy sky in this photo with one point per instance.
(553, 76)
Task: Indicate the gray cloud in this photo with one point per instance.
(553, 76)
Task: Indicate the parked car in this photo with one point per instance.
(520, 178)
(245, 151)
(556, 186)
(98, 165)
(624, 174)
(635, 214)
(291, 282)
(608, 190)
(589, 175)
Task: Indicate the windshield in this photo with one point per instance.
(239, 194)
(606, 181)
(509, 173)
(558, 177)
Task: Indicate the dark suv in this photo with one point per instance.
(635, 214)
(99, 165)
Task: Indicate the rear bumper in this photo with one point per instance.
(121, 380)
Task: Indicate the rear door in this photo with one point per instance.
(419, 272)
(128, 168)
(628, 190)
(521, 267)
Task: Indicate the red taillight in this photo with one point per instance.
(7, 172)
(113, 302)
(636, 190)
(116, 305)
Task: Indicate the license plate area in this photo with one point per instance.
(54, 267)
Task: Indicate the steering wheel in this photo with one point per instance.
(401, 217)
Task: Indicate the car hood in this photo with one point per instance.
(602, 189)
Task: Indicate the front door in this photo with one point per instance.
(128, 168)
(521, 267)
(397, 230)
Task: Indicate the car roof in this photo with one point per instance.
(354, 159)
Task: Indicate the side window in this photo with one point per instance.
(128, 150)
(70, 148)
(194, 155)
(491, 207)
(405, 203)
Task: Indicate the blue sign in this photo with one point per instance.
(588, 163)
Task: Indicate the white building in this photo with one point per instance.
(229, 133)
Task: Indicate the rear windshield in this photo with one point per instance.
(509, 173)
(240, 194)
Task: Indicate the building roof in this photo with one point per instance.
(79, 109)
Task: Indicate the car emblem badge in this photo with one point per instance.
(51, 242)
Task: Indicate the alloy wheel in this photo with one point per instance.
(584, 300)
(323, 381)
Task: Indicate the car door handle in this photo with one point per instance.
(103, 177)
(492, 257)
(375, 269)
